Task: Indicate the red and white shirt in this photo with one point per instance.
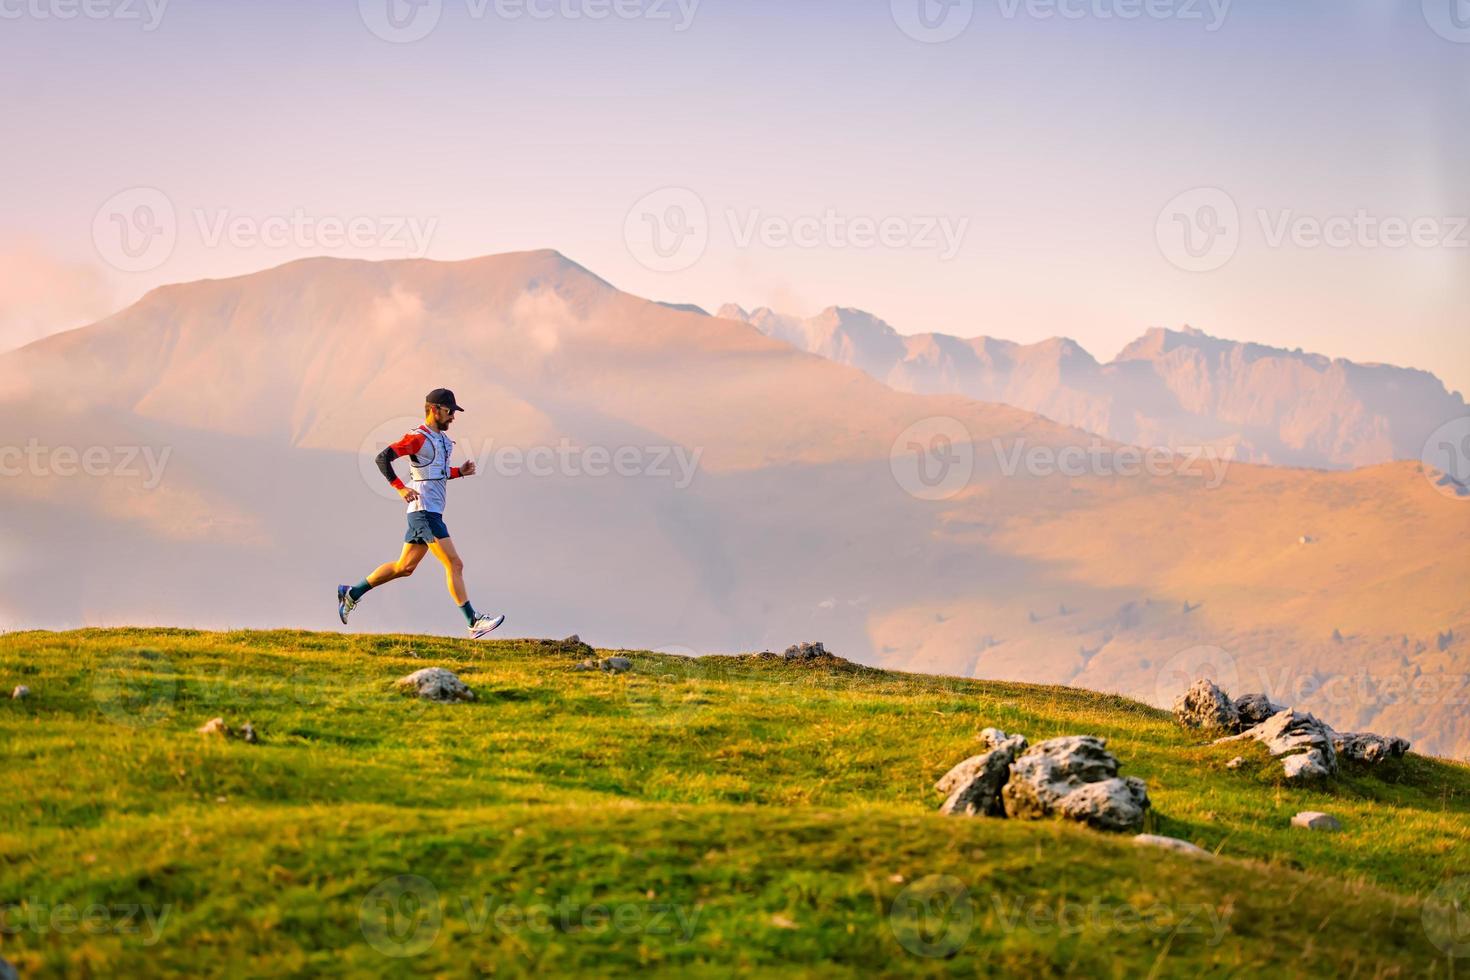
(428, 453)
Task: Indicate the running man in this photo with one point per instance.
(428, 449)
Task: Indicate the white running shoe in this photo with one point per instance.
(486, 625)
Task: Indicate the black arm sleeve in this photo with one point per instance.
(385, 464)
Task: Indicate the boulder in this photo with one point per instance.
(1315, 820)
(20, 693)
(572, 646)
(974, 786)
(436, 684)
(1255, 708)
(1368, 748)
(805, 651)
(217, 727)
(1111, 804)
(1206, 706)
(1171, 844)
(1236, 762)
(1299, 740)
(586, 665)
(1044, 776)
(617, 665)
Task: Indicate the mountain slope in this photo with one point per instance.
(769, 495)
(705, 817)
(1168, 388)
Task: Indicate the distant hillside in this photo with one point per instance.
(715, 817)
(772, 496)
(1168, 388)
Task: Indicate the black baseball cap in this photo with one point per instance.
(443, 396)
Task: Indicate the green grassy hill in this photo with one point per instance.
(699, 816)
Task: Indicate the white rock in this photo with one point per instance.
(215, 726)
(1236, 762)
(1367, 747)
(1316, 820)
(974, 786)
(436, 684)
(1206, 706)
(1171, 844)
(20, 693)
(1045, 777)
(1303, 743)
(1110, 804)
(617, 665)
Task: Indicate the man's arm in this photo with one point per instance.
(407, 446)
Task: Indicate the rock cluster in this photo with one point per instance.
(805, 651)
(1073, 777)
(217, 726)
(436, 684)
(613, 665)
(572, 645)
(1307, 746)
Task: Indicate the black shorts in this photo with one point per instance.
(424, 527)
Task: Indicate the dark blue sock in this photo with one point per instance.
(359, 590)
(469, 613)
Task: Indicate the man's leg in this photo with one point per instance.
(349, 596)
(407, 561)
(445, 551)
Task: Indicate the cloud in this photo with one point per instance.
(41, 294)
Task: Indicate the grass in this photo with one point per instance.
(726, 814)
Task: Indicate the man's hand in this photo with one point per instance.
(468, 469)
(409, 494)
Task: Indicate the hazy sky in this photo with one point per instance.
(1096, 173)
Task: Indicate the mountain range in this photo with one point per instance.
(917, 531)
(1178, 389)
